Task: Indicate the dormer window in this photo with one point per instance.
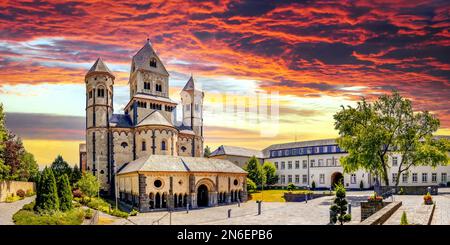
(153, 62)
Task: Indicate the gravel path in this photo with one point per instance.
(7, 210)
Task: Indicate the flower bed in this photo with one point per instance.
(375, 198)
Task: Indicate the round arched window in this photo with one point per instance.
(157, 183)
(235, 182)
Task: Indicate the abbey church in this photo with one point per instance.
(144, 156)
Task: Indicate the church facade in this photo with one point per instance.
(148, 127)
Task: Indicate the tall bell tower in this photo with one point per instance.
(192, 102)
(99, 107)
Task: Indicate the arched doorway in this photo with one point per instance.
(336, 179)
(202, 196)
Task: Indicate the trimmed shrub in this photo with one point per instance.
(12, 198)
(133, 212)
(29, 206)
(404, 220)
(47, 196)
(339, 207)
(291, 187)
(64, 193)
(20, 193)
(361, 185)
(313, 185)
(88, 214)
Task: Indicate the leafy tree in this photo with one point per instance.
(64, 193)
(61, 167)
(207, 151)
(371, 132)
(270, 171)
(28, 169)
(4, 169)
(88, 184)
(255, 171)
(339, 207)
(404, 220)
(76, 175)
(47, 194)
(12, 154)
(251, 186)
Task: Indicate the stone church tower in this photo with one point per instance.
(192, 102)
(147, 125)
(99, 107)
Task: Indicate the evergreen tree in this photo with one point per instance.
(404, 220)
(255, 171)
(207, 152)
(76, 175)
(339, 208)
(64, 193)
(60, 167)
(270, 171)
(47, 199)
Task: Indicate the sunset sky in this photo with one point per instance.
(311, 56)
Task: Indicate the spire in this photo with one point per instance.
(99, 66)
(190, 85)
(142, 59)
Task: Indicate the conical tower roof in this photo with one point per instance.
(190, 85)
(99, 66)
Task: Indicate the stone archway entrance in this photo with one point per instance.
(202, 196)
(336, 179)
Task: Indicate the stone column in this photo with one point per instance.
(212, 199)
(192, 197)
(170, 200)
(244, 196)
(143, 196)
(228, 194)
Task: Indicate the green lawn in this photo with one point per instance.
(273, 195)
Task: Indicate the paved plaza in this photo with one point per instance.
(314, 212)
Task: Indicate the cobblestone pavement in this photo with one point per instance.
(415, 210)
(315, 212)
(7, 210)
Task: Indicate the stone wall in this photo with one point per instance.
(382, 215)
(7, 188)
(370, 208)
(412, 190)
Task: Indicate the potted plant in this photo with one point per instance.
(427, 199)
(375, 198)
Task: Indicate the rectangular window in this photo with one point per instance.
(297, 178)
(394, 177)
(90, 94)
(316, 149)
(282, 165)
(322, 179)
(405, 177)
(280, 153)
(353, 179)
(414, 177)
(424, 177)
(443, 177)
(434, 177)
(276, 165)
(286, 152)
(297, 164)
(289, 164)
(305, 164)
(320, 162)
(144, 147)
(394, 161)
(325, 149)
(335, 162)
(304, 179)
(283, 180)
(289, 178)
(313, 162)
(294, 151)
(329, 162)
